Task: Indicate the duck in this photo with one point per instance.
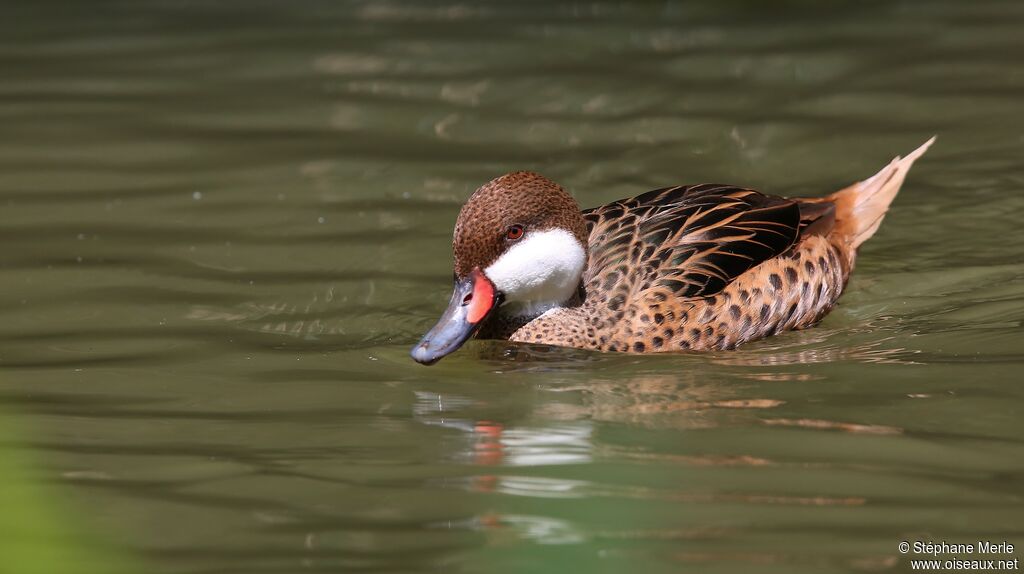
(704, 267)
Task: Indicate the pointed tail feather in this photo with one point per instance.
(861, 207)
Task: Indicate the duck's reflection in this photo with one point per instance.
(561, 433)
(589, 449)
(796, 348)
(487, 442)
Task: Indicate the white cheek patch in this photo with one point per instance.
(542, 270)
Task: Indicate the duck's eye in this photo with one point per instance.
(514, 232)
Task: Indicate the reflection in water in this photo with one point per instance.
(798, 348)
(686, 400)
(548, 445)
(774, 355)
(833, 425)
(492, 443)
(543, 529)
(541, 487)
(563, 432)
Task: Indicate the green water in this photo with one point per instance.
(225, 223)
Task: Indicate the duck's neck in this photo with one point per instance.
(511, 316)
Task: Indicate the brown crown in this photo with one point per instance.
(519, 198)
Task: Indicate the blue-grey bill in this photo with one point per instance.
(451, 331)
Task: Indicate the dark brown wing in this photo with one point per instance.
(690, 240)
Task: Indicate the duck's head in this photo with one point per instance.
(520, 245)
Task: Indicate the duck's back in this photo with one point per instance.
(685, 241)
(707, 266)
(713, 266)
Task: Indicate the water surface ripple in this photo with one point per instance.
(224, 223)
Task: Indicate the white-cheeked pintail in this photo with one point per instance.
(686, 268)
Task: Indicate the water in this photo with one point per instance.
(225, 223)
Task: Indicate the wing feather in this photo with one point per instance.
(690, 240)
